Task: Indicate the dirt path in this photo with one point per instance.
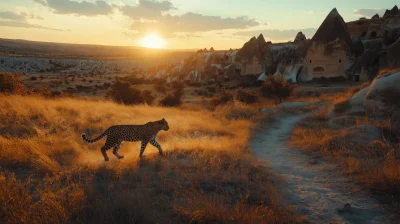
(317, 191)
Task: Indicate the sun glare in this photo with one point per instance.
(152, 41)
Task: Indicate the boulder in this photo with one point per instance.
(378, 98)
(383, 94)
(355, 104)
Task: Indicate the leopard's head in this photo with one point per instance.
(164, 124)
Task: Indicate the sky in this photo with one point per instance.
(178, 24)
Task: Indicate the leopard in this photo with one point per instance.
(131, 133)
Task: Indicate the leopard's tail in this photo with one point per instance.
(93, 140)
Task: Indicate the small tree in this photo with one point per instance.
(276, 87)
(223, 98)
(122, 92)
(147, 96)
(159, 86)
(178, 87)
(10, 83)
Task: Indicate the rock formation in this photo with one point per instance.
(393, 54)
(327, 55)
(379, 99)
(386, 26)
(357, 47)
(254, 56)
(300, 37)
(331, 29)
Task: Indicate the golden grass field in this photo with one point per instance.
(50, 175)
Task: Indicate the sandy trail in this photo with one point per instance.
(317, 191)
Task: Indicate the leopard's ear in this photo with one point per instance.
(163, 119)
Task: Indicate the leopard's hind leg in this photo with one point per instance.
(115, 150)
(106, 147)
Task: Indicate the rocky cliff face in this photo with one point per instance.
(387, 26)
(393, 54)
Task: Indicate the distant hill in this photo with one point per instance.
(24, 48)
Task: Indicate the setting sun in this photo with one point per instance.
(152, 41)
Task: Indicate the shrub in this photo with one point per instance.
(212, 89)
(159, 86)
(10, 83)
(341, 107)
(246, 96)
(147, 96)
(223, 98)
(276, 88)
(178, 87)
(133, 80)
(174, 99)
(171, 100)
(107, 85)
(391, 97)
(122, 92)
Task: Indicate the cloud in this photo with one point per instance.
(83, 8)
(146, 9)
(189, 22)
(42, 2)
(14, 19)
(23, 24)
(10, 15)
(369, 12)
(277, 35)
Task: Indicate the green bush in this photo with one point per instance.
(246, 96)
(276, 87)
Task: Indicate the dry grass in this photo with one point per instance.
(387, 71)
(49, 175)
